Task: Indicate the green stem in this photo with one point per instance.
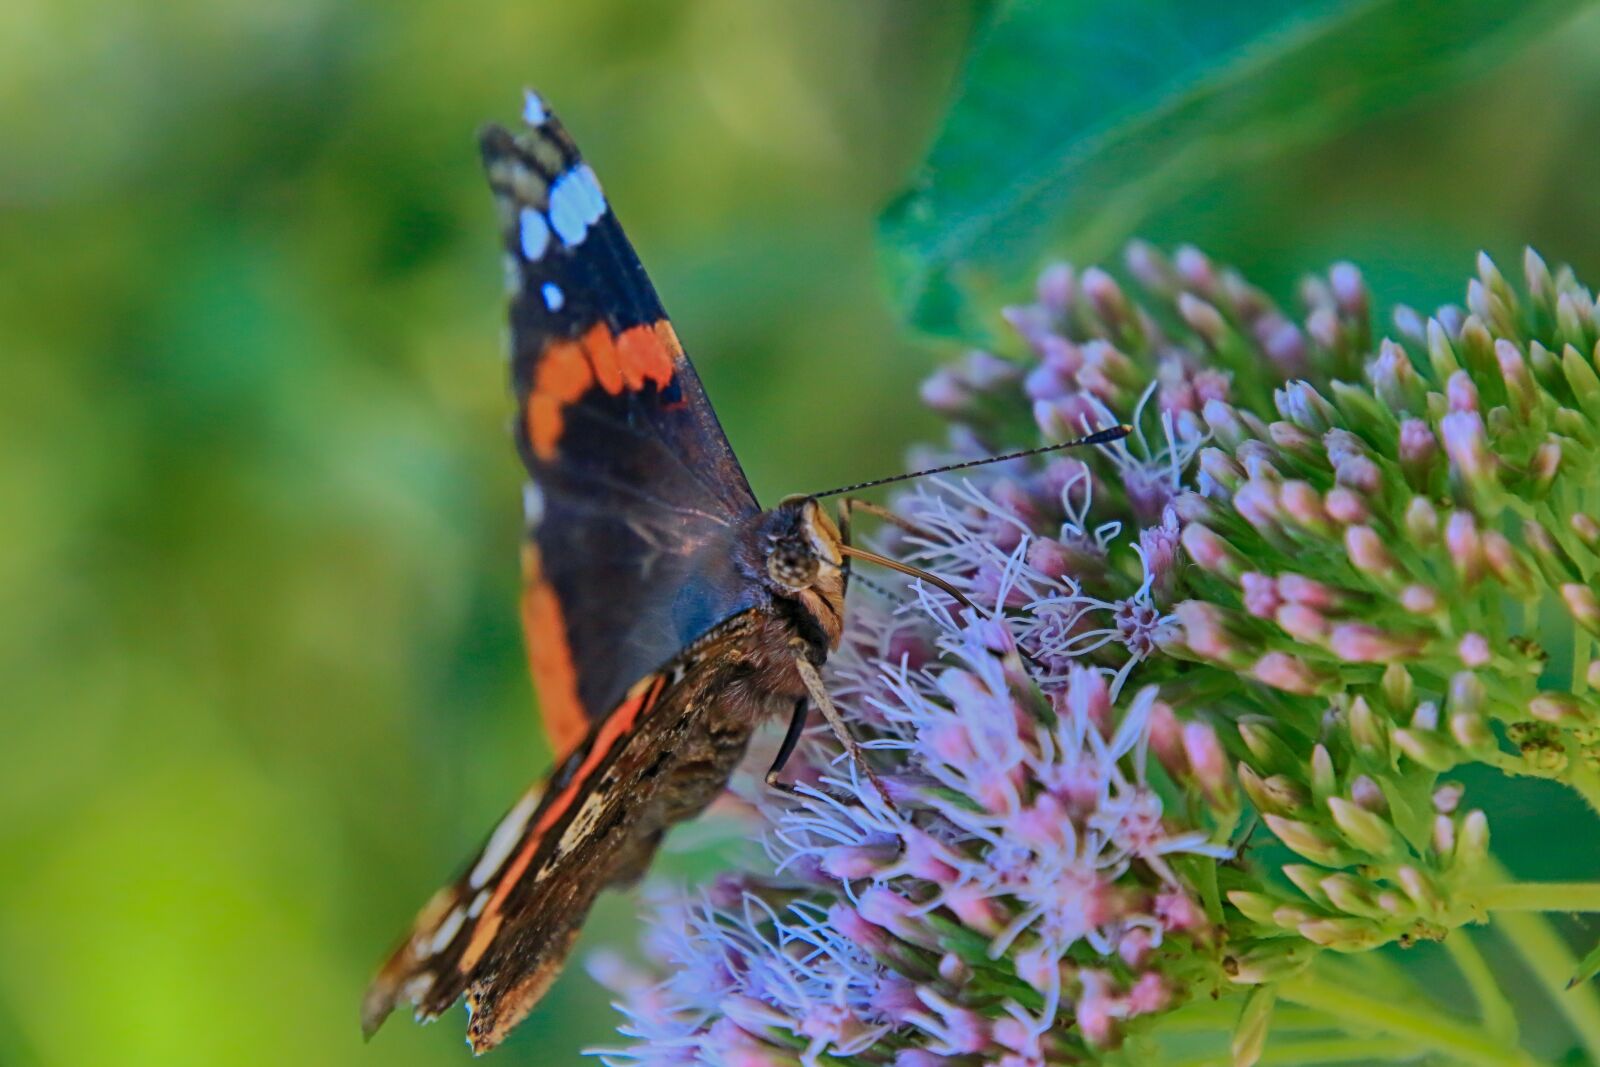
(1409, 1021)
(1338, 1050)
(1499, 1017)
(1320, 1050)
(1541, 896)
(1552, 963)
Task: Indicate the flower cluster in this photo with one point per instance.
(1039, 861)
(1198, 728)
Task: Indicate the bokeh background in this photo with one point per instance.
(261, 681)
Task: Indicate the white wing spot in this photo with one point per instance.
(534, 112)
(554, 298)
(582, 824)
(447, 930)
(513, 274)
(533, 233)
(502, 840)
(532, 505)
(476, 907)
(569, 209)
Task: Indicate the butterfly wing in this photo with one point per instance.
(500, 933)
(635, 494)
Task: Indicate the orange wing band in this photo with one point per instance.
(569, 369)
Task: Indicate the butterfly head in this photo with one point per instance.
(804, 561)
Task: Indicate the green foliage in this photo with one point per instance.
(1075, 121)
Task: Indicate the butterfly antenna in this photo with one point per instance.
(1099, 437)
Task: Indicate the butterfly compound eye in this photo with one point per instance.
(791, 565)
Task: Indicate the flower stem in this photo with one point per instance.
(1499, 1017)
(1541, 896)
(1412, 1022)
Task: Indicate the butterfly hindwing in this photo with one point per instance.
(501, 931)
(634, 492)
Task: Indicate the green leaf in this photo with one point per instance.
(1588, 967)
(1075, 120)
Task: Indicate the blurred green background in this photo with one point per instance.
(262, 682)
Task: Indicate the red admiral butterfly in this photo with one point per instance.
(666, 613)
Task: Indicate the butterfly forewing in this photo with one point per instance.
(633, 492)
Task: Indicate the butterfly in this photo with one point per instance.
(667, 614)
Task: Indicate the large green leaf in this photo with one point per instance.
(1076, 119)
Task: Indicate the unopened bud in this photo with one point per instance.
(1346, 506)
(1422, 522)
(1368, 735)
(1368, 554)
(1363, 829)
(1211, 553)
(1558, 709)
(1465, 546)
(1426, 748)
(1352, 895)
(1288, 673)
(1204, 319)
(1359, 642)
(1306, 840)
(1343, 934)
(1582, 605)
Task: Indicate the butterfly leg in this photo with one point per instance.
(841, 729)
(791, 740)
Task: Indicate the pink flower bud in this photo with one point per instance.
(1323, 326)
(1204, 319)
(1359, 642)
(1345, 506)
(1302, 590)
(1257, 501)
(943, 392)
(1260, 594)
(1207, 759)
(1166, 739)
(1178, 913)
(1418, 449)
(1303, 505)
(1303, 623)
(1419, 599)
(1283, 343)
(1474, 650)
(1107, 297)
(1056, 288)
(1050, 558)
(1349, 290)
(1210, 552)
(1461, 394)
(1207, 633)
(1284, 671)
(1465, 546)
(1366, 793)
(845, 919)
(973, 906)
(1581, 604)
(1149, 994)
(1466, 442)
(1367, 553)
